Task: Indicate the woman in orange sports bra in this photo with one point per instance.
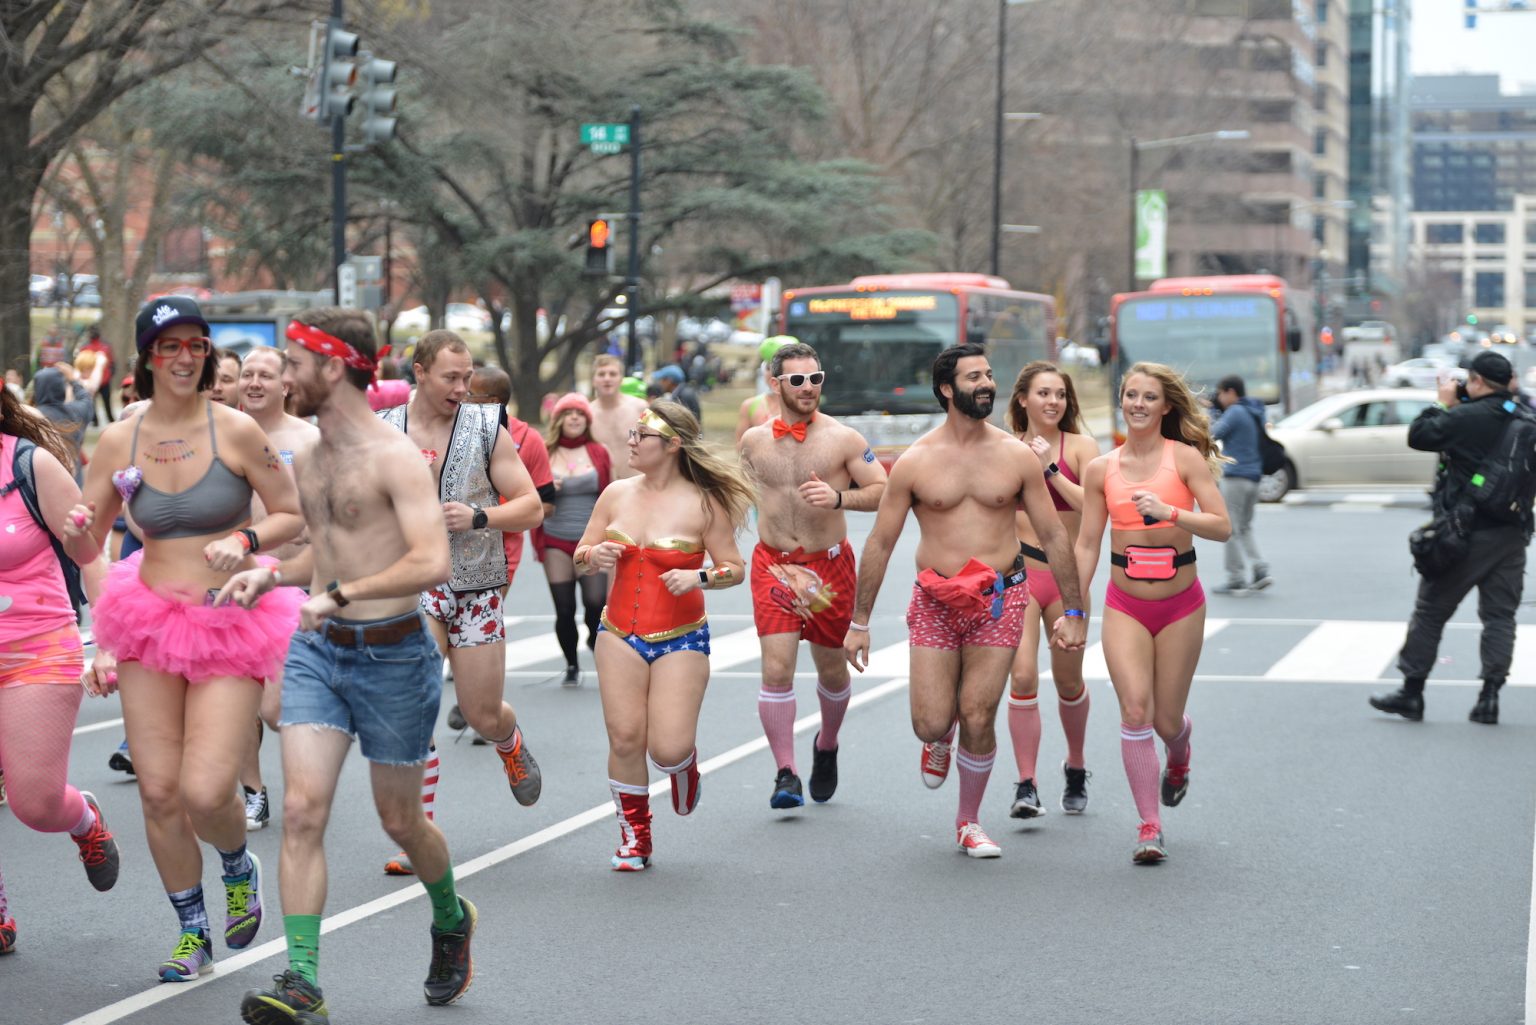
(1043, 412)
(650, 533)
(1156, 490)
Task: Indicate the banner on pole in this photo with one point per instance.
(1151, 233)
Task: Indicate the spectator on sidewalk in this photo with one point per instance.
(103, 353)
(1238, 429)
(675, 386)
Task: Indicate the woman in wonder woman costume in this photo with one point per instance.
(650, 533)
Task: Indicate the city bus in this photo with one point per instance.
(1252, 325)
(878, 335)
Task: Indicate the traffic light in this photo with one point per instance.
(378, 96)
(599, 252)
(338, 71)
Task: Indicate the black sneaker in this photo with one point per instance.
(291, 999)
(1074, 799)
(456, 720)
(1261, 578)
(452, 969)
(258, 811)
(1486, 711)
(823, 773)
(786, 791)
(1401, 702)
(98, 849)
(121, 760)
(572, 677)
(1175, 785)
(1026, 801)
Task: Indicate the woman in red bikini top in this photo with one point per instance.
(1156, 491)
(1043, 412)
(650, 533)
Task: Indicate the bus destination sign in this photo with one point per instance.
(872, 307)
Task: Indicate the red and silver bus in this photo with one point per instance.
(878, 335)
(1251, 325)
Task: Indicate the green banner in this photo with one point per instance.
(1151, 234)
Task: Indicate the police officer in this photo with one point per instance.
(1464, 427)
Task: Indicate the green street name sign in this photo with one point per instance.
(605, 138)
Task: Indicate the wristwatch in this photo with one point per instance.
(1051, 471)
(704, 578)
(480, 519)
(334, 590)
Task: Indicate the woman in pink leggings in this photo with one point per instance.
(40, 652)
(1156, 490)
(1044, 413)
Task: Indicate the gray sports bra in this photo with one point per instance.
(216, 504)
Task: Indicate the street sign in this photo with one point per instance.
(346, 285)
(606, 149)
(618, 133)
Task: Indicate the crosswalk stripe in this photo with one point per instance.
(1094, 666)
(1344, 652)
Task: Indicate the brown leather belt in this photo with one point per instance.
(391, 631)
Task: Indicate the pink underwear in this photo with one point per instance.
(1157, 613)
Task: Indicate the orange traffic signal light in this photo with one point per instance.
(597, 234)
(599, 256)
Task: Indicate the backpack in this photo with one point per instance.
(23, 480)
(1271, 452)
(1504, 489)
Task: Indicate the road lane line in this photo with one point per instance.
(97, 727)
(1341, 652)
(225, 968)
(1530, 947)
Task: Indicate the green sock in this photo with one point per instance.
(303, 932)
(447, 913)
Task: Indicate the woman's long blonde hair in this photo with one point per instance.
(1184, 420)
(706, 470)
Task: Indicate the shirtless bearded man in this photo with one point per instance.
(363, 664)
(964, 480)
(613, 413)
(805, 465)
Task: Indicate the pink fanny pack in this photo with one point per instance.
(1160, 563)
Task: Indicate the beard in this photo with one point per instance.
(976, 404)
(307, 398)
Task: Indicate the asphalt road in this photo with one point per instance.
(1329, 865)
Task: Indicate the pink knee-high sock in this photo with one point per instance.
(35, 725)
(1139, 752)
(430, 774)
(776, 708)
(1024, 728)
(974, 772)
(1178, 748)
(834, 705)
(1074, 723)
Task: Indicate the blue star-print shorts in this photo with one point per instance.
(697, 640)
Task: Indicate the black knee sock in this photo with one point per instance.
(564, 594)
(594, 589)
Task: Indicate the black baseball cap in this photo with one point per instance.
(167, 311)
(1492, 367)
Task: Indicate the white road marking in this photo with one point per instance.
(1530, 948)
(1095, 668)
(1341, 652)
(603, 812)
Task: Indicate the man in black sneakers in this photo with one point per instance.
(1465, 428)
(808, 469)
(363, 663)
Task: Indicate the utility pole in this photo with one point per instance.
(632, 272)
(997, 140)
(338, 174)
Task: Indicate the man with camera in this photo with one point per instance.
(1466, 427)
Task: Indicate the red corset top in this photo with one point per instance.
(639, 603)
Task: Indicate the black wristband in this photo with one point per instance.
(839, 504)
(250, 535)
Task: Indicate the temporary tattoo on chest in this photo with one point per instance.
(174, 451)
(430, 455)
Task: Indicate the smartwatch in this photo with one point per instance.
(1051, 471)
(480, 519)
(704, 578)
(334, 590)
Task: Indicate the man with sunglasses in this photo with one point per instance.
(809, 470)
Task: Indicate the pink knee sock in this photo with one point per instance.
(1178, 748)
(1074, 723)
(87, 818)
(1139, 752)
(1024, 728)
(431, 772)
(974, 771)
(36, 723)
(834, 705)
(776, 708)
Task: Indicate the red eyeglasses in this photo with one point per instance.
(170, 348)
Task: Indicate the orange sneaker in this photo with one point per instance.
(522, 771)
(399, 865)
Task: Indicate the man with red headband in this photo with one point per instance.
(809, 470)
(363, 664)
(475, 464)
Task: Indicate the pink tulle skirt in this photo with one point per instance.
(174, 632)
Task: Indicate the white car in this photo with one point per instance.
(1353, 438)
(458, 317)
(1420, 372)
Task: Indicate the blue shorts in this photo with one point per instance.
(696, 640)
(387, 696)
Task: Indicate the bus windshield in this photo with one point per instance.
(1205, 338)
(877, 348)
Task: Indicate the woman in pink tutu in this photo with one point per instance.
(41, 530)
(190, 674)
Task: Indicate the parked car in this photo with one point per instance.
(1420, 372)
(41, 289)
(458, 317)
(1353, 438)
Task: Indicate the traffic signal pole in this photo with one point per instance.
(632, 272)
(338, 178)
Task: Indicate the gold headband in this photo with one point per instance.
(656, 423)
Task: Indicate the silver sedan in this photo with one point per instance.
(1353, 438)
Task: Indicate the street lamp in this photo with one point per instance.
(997, 129)
(1137, 145)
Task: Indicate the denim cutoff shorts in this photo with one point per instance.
(387, 696)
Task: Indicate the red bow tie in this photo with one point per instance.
(780, 428)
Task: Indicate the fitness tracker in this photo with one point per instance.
(334, 590)
(480, 519)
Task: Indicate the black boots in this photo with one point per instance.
(1407, 701)
(1487, 708)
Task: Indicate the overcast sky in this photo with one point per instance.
(1503, 43)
